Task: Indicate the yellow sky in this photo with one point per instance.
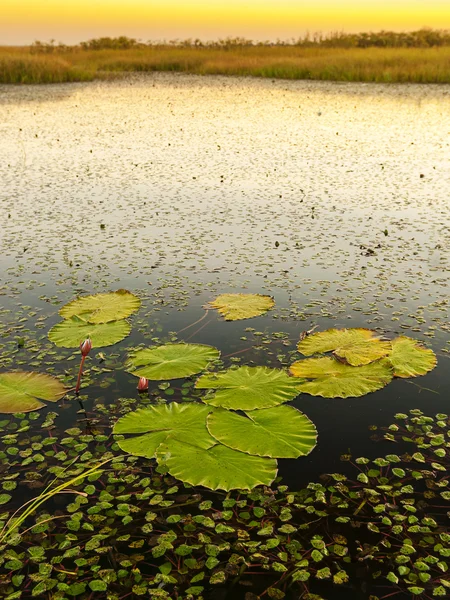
(22, 21)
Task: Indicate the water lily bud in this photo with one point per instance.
(86, 347)
(142, 385)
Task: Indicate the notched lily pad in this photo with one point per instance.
(410, 359)
(102, 308)
(171, 361)
(242, 306)
(22, 391)
(357, 346)
(249, 388)
(216, 468)
(280, 432)
(71, 332)
(333, 379)
(182, 422)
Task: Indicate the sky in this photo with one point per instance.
(71, 21)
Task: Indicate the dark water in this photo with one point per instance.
(332, 198)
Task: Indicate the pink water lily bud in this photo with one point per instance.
(142, 385)
(86, 347)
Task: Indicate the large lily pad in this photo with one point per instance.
(280, 432)
(172, 361)
(22, 391)
(181, 422)
(356, 346)
(71, 332)
(102, 308)
(410, 359)
(217, 468)
(249, 388)
(333, 379)
(242, 306)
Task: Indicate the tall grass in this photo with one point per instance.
(392, 65)
(23, 67)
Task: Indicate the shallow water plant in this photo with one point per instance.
(235, 307)
(22, 391)
(102, 308)
(248, 388)
(171, 361)
(357, 346)
(410, 359)
(216, 448)
(70, 332)
(280, 432)
(330, 378)
(134, 530)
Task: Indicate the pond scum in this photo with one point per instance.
(134, 526)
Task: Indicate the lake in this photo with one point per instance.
(333, 198)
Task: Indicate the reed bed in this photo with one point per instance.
(384, 65)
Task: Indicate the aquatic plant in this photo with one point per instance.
(235, 307)
(332, 379)
(102, 308)
(85, 348)
(171, 361)
(365, 363)
(99, 317)
(23, 391)
(248, 388)
(216, 448)
(380, 524)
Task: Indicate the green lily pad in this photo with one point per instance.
(249, 388)
(280, 432)
(172, 361)
(216, 468)
(411, 359)
(182, 422)
(333, 379)
(356, 346)
(102, 308)
(71, 332)
(242, 306)
(22, 391)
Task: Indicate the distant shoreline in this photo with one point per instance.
(377, 65)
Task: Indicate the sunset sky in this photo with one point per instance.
(70, 21)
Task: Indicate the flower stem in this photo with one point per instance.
(77, 389)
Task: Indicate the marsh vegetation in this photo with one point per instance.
(420, 57)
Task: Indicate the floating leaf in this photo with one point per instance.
(102, 308)
(410, 359)
(248, 388)
(356, 346)
(217, 468)
(242, 306)
(182, 422)
(280, 432)
(172, 361)
(71, 332)
(332, 379)
(22, 391)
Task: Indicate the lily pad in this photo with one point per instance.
(102, 308)
(242, 306)
(410, 359)
(71, 332)
(216, 468)
(182, 422)
(280, 432)
(356, 346)
(172, 361)
(22, 391)
(333, 379)
(249, 388)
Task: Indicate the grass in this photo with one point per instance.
(382, 65)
